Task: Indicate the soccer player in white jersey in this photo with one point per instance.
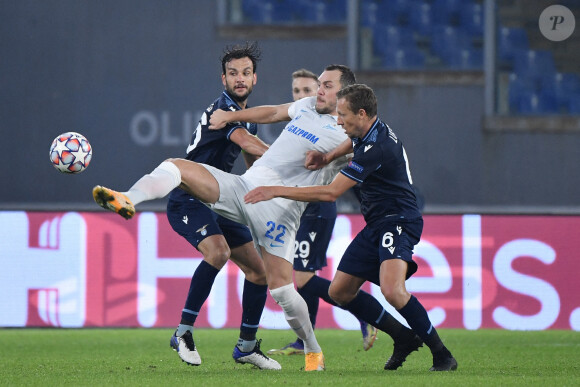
(273, 224)
(312, 240)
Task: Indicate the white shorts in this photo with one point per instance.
(273, 223)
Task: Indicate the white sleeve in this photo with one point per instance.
(305, 102)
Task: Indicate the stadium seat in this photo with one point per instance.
(447, 39)
(471, 19)
(533, 64)
(268, 11)
(387, 38)
(447, 12)
(464, 58)
(390, 12)
(369, 13)
(509, 40)
(518, 87)
(409, 58)
(560, 87)
(574, 104)
(321, 11)
(420, 18)
(536, 103)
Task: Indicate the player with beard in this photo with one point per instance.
(215, 237)
(312, 240)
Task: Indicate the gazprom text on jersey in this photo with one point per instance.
(302, 133)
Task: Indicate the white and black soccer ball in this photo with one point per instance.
(71, 152)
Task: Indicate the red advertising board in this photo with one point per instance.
(98, 270)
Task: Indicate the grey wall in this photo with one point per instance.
(133, 77)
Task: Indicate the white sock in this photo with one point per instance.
(155, 185)
(296, 313)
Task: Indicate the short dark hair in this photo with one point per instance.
(359, 96)
(248, 50)
(303, 73)
(346, 75)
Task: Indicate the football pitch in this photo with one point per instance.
(142, 357)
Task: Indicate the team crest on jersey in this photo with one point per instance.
(312, 235)
(304, 262)
(329, 127)
(202, 230)
(355, 166)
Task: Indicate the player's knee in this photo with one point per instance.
(338, 295)
(218, 257)
(257, 277)
(395, 295)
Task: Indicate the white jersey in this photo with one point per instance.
(274, 222)
(307, 131)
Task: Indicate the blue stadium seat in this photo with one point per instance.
(560, 87)
(374, 12)
(518, 86)
(536, 103)
(408, 58)
(446, 39)
(533, 64)
(370, 13)
(574, 104)
(471, 19)
(447, 12)
(464, 58)
(420, 18)
(509, 40)
(387, 38)
(321, 11)
(268, 11)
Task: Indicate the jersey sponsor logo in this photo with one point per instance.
(391, 249)
(304, 262)
(312, 235)
(185, 219)
(367, 147)
(399, 229)
(202, 230)
(355, 166)
(302, 133)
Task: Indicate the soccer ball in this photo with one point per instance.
(70, 152)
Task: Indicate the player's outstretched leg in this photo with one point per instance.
(369, 334)
(294, 348)
(403, 346)
(114, 201)
(256, 357)
(185, 348)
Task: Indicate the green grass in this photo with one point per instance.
(142, 357)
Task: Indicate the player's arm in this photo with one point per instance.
(266, 114)
(316, 160)
(248, 142)
(315, 193)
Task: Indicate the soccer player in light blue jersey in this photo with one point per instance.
(382, 252)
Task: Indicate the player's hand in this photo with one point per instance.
(315, 160)
(259, 194)
(218, 119)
